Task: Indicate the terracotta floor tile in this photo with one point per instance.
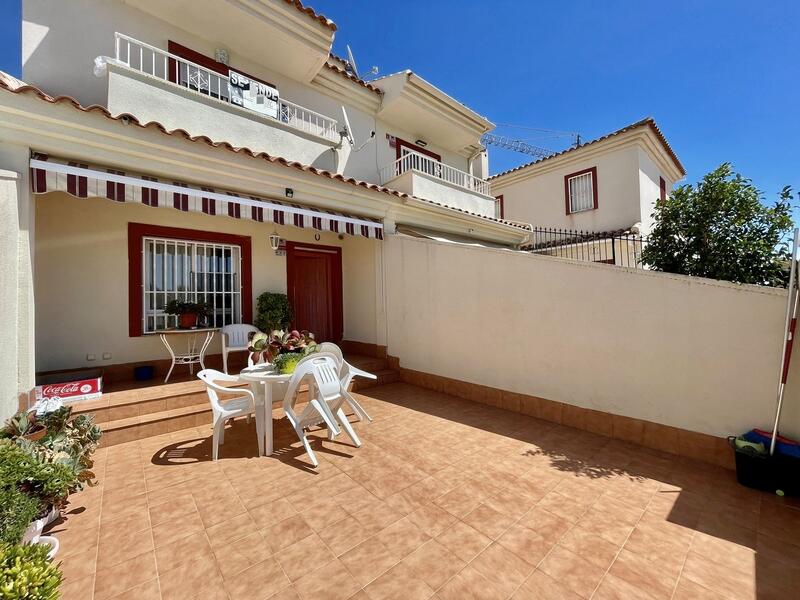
(502, 567)
(149, 590)
(327, 514)
(172, 509)
(330, 582)
(549, 526)
(431, 519)
(242, 553)
(79, 565)
(398, 583)
(463, 541)
(286, 532)
(592, 547)
(469, 584)
(540, 586)
(369, 560)
(402, 537)
(230, 530)
(569, 509)
(169, 531)
(459, 502)
(190, 579)
(488, 521)
(613, 588)
(123, 546)
(344, 535)
(304, 556)
(655, 579)
(577, 573)
(526, 543)
(114, 580)
(665, 550)
(272, 512)
(688, 590)
(77, 589)
(259, 581)
(434, 564)
(510, 502)
(183, 550)
(721, 579)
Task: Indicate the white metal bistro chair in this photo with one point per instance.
(243, 404)
(235, 338)
(325, 400)
(346, 374)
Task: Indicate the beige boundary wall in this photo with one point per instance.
(688, 353)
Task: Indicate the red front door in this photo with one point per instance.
(314, 287)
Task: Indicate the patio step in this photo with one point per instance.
(126, 415)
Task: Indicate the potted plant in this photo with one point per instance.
(273, 312)
(18, 511)
(24, 425)
(26, 571)
(271, 346)
(187, 312)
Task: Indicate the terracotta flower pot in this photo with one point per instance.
(187, 320)
(36, 435)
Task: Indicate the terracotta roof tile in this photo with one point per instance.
(15, 86)
(313, 14)
(352, 77)
(647, 122)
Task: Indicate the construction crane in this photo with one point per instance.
(508, 143)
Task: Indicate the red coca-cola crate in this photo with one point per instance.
(73, 386)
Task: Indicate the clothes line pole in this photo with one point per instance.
(788, 338)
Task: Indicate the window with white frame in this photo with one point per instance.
(190, 271)
(581, 191)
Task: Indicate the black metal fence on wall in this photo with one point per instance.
(620, 248)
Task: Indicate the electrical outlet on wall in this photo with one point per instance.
(106, 355)
(91, 357)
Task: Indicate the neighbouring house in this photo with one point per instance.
(608, 184)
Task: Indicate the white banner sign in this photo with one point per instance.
(253, 95)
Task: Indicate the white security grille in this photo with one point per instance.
(190, 272)
(581, 193)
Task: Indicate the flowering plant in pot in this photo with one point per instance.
(187, 312)
(272, 346)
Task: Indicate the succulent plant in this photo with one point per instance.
(278, 342)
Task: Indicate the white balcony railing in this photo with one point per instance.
(169, 67)
(414, 161)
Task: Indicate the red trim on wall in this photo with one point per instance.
(399, 143)
(662, 186)
(501, 205)
(202, 60)
(337, 303)
(137, 231)
(593, 171)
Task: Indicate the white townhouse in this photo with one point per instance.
(160, 150)
(608, 184)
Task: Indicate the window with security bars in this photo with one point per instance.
(190, 271)
(581, 192)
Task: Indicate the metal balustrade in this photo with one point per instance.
(166, 66)
(415, 161)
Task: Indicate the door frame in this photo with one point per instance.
(337, 303)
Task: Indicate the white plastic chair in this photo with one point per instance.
(325, 400)
(223, 410)
(346, 374)
(235, 338)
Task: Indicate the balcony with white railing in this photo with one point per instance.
(429, 179)
(155, 85)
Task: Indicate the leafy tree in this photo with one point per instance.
(722, 229)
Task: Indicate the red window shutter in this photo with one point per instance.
(662, 184)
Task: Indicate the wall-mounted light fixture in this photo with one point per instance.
(275, 241)
(422, 143)
(289, 193)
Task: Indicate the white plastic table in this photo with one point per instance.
(192, 356)
(261, 378)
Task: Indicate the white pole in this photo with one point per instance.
(788, 335)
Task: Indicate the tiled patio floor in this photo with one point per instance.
(446, 498)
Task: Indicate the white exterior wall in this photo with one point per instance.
(650, 188)
(687, 352)
(82, 271)
(540, 199)
(59, 59)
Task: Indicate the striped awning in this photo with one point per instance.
(82, 180)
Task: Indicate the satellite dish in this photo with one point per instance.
(352, 61)
(348, 131)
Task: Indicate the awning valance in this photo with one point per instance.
(90, 181)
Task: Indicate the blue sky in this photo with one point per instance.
(722, 78)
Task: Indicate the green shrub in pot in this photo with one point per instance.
(273, 311)
(26, 572)
(49, 482)
(17, 511)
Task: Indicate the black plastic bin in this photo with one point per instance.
(765, 472)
